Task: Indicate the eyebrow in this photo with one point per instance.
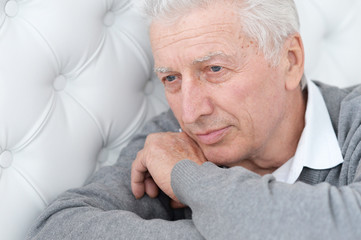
(208, 57)
(195, 61)
(162, 69)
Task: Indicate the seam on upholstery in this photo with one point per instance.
(120, 9)
(2, 21)
(37, 127)
(142, 56)
(134, 126)
(2, 26)
(73, 75)
(98, 125)
(31, 185)
(353, 12)
(330, 30)
(5, 143)
(2, 13)
(45, 41)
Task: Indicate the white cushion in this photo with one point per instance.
(76, 83)
(331, 31)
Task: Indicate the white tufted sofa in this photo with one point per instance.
(76, 83)
(331, 31)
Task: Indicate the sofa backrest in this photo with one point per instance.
(332, 36)
(76, 82)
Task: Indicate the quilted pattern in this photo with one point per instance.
(332, 37)
(76, 83)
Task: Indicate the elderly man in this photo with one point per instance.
(250, 150)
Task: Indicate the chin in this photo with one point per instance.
(221, 159)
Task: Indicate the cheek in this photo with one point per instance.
(253, 101)
(175, 103)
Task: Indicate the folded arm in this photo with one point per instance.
(105, 207)
(238, 204)
(107, 210)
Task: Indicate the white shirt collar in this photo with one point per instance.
(318, 146)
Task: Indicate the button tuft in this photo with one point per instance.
(109, 19)
(60, 83)
(6, 159)
(11, 8)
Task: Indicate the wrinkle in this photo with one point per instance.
(173, 38)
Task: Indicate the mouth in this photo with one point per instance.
(212, 136)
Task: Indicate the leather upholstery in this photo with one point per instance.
(332, 36)
(76, 83)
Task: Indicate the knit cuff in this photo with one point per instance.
(193, 183)
(188, 178)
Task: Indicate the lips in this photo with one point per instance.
(213, 136)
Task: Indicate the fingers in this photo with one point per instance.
(151, 170)
(141, 180)
(151, 189)
(176, 204)
(138, 176)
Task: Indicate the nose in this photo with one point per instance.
(196, 100)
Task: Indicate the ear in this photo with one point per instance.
(295, 58)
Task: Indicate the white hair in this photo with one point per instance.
(267, 22)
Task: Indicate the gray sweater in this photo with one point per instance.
(223, 203)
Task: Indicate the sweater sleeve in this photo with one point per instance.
(235, 203)
(105, 207)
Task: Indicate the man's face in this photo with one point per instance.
(223, 92)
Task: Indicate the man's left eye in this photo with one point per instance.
(216, 68)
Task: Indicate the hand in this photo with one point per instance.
(154, 163)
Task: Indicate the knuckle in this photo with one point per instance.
(139, 155)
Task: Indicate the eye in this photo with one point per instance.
(170, 78)
(172, 83)
(216, 68)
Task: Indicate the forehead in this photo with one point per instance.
(210, 27)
